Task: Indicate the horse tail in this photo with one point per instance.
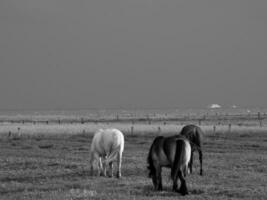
(151, 167)
(182, 157)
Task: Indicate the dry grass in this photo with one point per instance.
(55, 166)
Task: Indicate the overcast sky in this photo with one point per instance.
(66, 54)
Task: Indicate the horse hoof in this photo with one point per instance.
(176, 190)
(159, 189)
(102, 174)
(118, 175)
(184, 193)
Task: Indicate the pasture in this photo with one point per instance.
(55, 165)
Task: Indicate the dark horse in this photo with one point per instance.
(194, 134)
(172, 152)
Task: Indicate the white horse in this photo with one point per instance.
(107, 145)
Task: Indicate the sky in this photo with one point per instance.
(65, 54)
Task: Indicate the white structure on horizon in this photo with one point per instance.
(214, 106)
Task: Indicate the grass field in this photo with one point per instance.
(55, 166)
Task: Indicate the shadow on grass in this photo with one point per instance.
(148, 190)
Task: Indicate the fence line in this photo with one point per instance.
(207, 119)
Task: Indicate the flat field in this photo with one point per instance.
(55, 166)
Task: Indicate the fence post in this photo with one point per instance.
(132, 130)
(259, 118)
(159, 130)
(19, 133)
(259, 115)
(214, 129)
(229, 128)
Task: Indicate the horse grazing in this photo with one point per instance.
(194, 134)
(171, 152)
(107, 145)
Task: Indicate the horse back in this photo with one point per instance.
(169, 148)
(108, 140)
(157, 152)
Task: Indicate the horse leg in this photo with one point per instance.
(155, 176)
(119, 156)
(175, 180)
(175, 184)
(154, 180)
(158, 178)
(191, 163)
(91, 163)
(183, 189)
(100, 167)
(104, 168)
(111, 169)
(200, 161)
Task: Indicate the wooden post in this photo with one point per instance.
(214, 129)
(147, 117)
(159, 130)
(229, 128)
(19, 132)
(259, 118)
(132, 130)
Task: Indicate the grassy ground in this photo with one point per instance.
(56, 167)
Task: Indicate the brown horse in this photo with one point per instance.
(171, 152)
(194, 134)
